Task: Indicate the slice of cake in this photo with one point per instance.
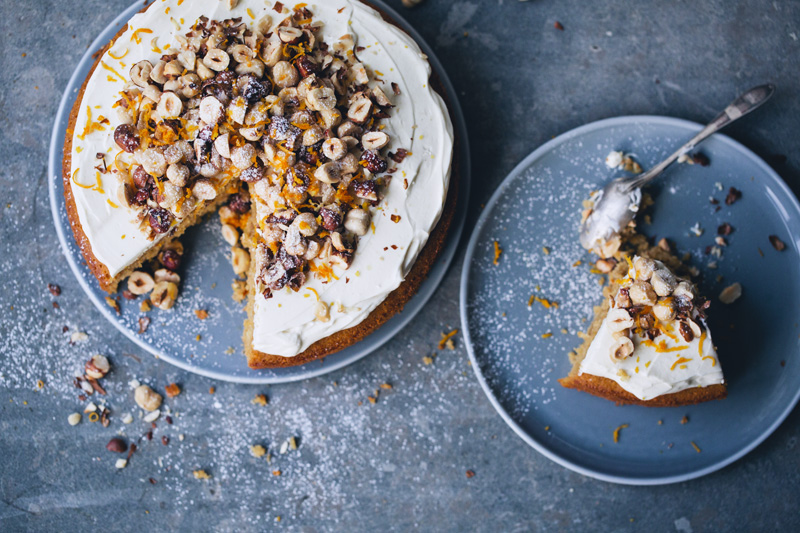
(649, 343)
(317, 132)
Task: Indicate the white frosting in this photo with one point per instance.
(285, 324)
(649, 373)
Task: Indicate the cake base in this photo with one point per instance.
(633, 244)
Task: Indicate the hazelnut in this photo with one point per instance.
(334, 149)
(306, 224)
(642, 293)
(216, 59)
(621, 349)
(285, 75)
(605, 265)
(619, 319)
(664, 310)
(222, 144)
(322, 312)
(163, 274)
(140, 282)
(230, 234)
(169, 105)
(97, 367)
(321, 98)
(242, 156)
(178, 174)
(147, 398)
(211, 110)
(140, 73)
(360, 109)
(357, 221)
(663, 282)
(289, 34)
(610, 247)
(240, 259)
(731, 293)
(623, 299)
(374, 140)
(644, 268)
(203, 189)
(684, 288)
(328, 173)
(164, 294)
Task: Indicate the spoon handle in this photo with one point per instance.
(745, 103)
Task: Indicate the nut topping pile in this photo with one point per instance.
(289, 116)
(649, 304)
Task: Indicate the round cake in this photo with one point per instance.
(315, 130)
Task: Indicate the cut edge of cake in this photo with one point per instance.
(632, 244)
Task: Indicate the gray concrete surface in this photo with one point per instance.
(399, 464)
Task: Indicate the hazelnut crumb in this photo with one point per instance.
(121, 463)
(257, 450)
(685, 419)
(260, 399)
(427, 360)
(201, 474)
(74, 419)
(470, 474)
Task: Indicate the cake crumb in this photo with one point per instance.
(260, 399)
(470, 474)
(200, 474)
(427, 360)
(685, 419)
(172, 390)
(202, 314)
(258, 450)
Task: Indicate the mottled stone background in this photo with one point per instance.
(399, 464)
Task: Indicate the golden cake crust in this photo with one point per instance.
(607, 388)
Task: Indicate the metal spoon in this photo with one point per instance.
(617, 204)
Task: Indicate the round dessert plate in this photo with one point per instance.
(213, 347)
(519, 350)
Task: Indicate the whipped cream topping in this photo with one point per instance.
(285, 324)
(663, 366)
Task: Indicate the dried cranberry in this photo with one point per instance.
(310, 157)
(54, 289)
(289, 262)
(128, 295)
(239, 204)
(254, 90)
(686, 332)
(280, 128)
(160, 219)
(366, 190)
(399, 155)
(701, 159)
(375, 163)
(141, 197)
(252, 174)
(733, 195)
(126, 137)
(331, 218)
(725, 229)
(296, 281)
(306, 66)
(170, 259)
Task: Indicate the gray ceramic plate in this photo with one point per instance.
(207, 274)
(538, 206)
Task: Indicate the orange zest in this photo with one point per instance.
(680, 361)
(135, 35)
(497, 252)
(446, 337)
(110, 69)
(616, 432)
(111, 54)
